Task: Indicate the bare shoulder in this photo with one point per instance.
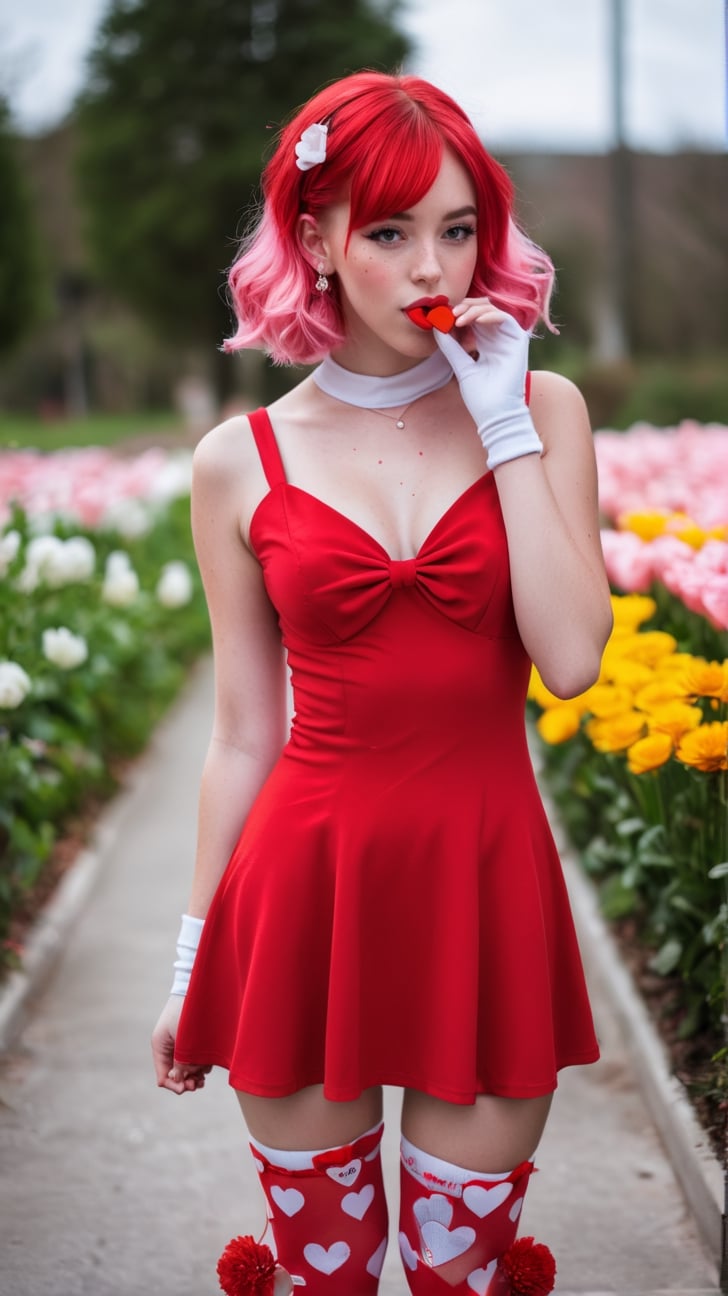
(224, 450)
(558, 409)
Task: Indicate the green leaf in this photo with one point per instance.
(667, 957)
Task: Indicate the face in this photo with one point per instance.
(409, 258)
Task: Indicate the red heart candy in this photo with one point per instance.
(441, 318)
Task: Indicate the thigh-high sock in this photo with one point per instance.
(458, 1228)
(327, 1214)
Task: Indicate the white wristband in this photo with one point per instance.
(187, 942)
(510, 435)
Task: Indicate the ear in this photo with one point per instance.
(313, 242)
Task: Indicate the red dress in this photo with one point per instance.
(394, 911)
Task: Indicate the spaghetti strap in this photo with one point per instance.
(265, 440)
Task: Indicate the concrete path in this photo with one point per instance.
(110, 1187)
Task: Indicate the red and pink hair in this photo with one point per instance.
(386, 136)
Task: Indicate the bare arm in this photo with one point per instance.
(550, 508)
(249, 726)
(249, 720)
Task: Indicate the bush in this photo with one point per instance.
(95, 634)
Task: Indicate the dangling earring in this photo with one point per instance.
(322, 282)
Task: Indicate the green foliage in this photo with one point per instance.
(24, 431)
(21, 277)
(181, 105)
(643, 390)
(60, 743)
(654, 845)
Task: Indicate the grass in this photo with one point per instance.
(21, 431)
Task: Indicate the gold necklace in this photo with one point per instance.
(397, 419)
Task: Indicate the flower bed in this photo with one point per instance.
(638, 764)
(101, 610)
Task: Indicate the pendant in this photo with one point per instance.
(399, 423)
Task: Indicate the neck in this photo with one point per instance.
(370, 392)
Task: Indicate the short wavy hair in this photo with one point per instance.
(386, 136)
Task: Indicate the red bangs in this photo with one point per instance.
(399, 166)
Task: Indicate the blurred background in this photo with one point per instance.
(132, 134)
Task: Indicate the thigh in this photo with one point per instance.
(493, 1135)
(306, 1120)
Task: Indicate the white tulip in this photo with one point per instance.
(9, 546)
(174, 587)
(63, 648)
(121, 583)
(43, 562)
(15, 685)
(56, 562)
(79, 558)
(132, 518)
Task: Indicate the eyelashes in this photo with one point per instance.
(388, 235)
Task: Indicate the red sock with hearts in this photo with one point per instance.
(328, 1217)
(458, 1229)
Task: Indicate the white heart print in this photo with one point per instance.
(357, 1204)
(445, 1244)
(479, 1279)
(434, 1207)
(515, 1210)
(483, 1201)
(347, 1174)
(375, 1262)
(290, 1200)
(327, 1261)
(408, 1255)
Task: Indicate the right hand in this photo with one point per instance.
(179, 1078)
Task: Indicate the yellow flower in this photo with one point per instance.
(616, 732)
(538, 692)
(675, 662)
(605, 700)
(702, 678)
(629, 674)
(649, 753)
(685, 529)
(706, 748)
(648, 647)
(662, 689)
(631, 610)
(646, 525)
(558, 724)
(674, 719)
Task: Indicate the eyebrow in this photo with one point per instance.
(453, 215)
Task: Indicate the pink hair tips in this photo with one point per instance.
(385, 141)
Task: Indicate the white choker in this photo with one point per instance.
(371, 392)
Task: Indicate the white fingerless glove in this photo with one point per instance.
(187, 942)
(493, 388)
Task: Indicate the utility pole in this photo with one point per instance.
(614, 309)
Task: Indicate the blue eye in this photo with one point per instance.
(384, 235)
(459, 233)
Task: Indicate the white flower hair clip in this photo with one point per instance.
(311, 148)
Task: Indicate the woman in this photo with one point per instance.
(412, 527)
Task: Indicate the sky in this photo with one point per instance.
(532, 74)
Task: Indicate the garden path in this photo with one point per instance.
(112, 1188)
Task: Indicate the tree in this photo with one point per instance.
(21, 275)
(181, 104)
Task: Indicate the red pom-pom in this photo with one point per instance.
(246, 1268)
(529, 1268)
